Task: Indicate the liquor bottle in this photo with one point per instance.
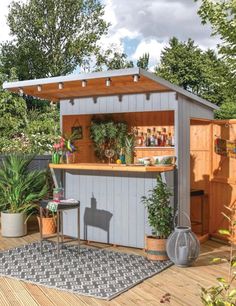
(156, 138)
(164, 137)
(173, 141)
(145, 140)
(142, 139)
(136, 138)
(169, 140)
(148, 142)
(152, 140)
(159, 139)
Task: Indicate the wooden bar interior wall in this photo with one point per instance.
(145, 120)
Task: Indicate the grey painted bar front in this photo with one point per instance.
(111, 208)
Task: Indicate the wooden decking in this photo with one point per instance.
(183, 284)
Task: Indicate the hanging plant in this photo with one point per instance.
(107, 134)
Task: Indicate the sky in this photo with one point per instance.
(139, 26)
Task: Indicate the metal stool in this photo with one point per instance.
(61, 208)
(199, 193)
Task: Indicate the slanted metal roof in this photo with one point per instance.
(122, 82)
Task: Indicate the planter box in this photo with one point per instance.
(13, 225)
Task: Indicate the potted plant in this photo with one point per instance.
(160, 218)
(129, 148)
(20, 190)
(57, 151)
(70, 147)
(107, 134)
(49, 222)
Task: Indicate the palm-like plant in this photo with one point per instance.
(129, 148)
(21, 188)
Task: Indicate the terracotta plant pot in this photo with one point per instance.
(156, 248)
(49, 225)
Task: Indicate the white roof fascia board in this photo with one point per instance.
(110, 74)
(73, 77)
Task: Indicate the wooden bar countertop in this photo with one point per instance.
(112, 167)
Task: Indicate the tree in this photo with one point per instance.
(222, 16)
(180, 64)
(143, 61)
(111, 59)
(50, 37)
(13, 114)
(226, 111)
(203, 73)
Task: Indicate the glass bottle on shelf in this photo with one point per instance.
(169, 140)
(156, 138)
(159, 139)
(142, 140)
(173, 141)
(145, 142)
(136, 138)
(164, 137)
(148, 142)
(153, 138)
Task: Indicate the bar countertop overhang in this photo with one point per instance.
(112, 167)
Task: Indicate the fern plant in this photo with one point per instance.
(21, 188)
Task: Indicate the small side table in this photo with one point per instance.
(201, 194)
(61, 208)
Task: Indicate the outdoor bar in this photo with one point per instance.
(110, 193)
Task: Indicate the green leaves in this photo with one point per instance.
(201, 72)
(19, 187)
(216, 260)
(224, 293)
(221, 15)
(107, 133)
(224, 232)
(160, 212)
(52, 37)
(226, 111)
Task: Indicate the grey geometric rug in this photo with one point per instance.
(96, 273)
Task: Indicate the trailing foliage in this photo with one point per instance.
(160, 212)
(20, 188)
(107, 134)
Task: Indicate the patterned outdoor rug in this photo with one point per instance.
(96, 273)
